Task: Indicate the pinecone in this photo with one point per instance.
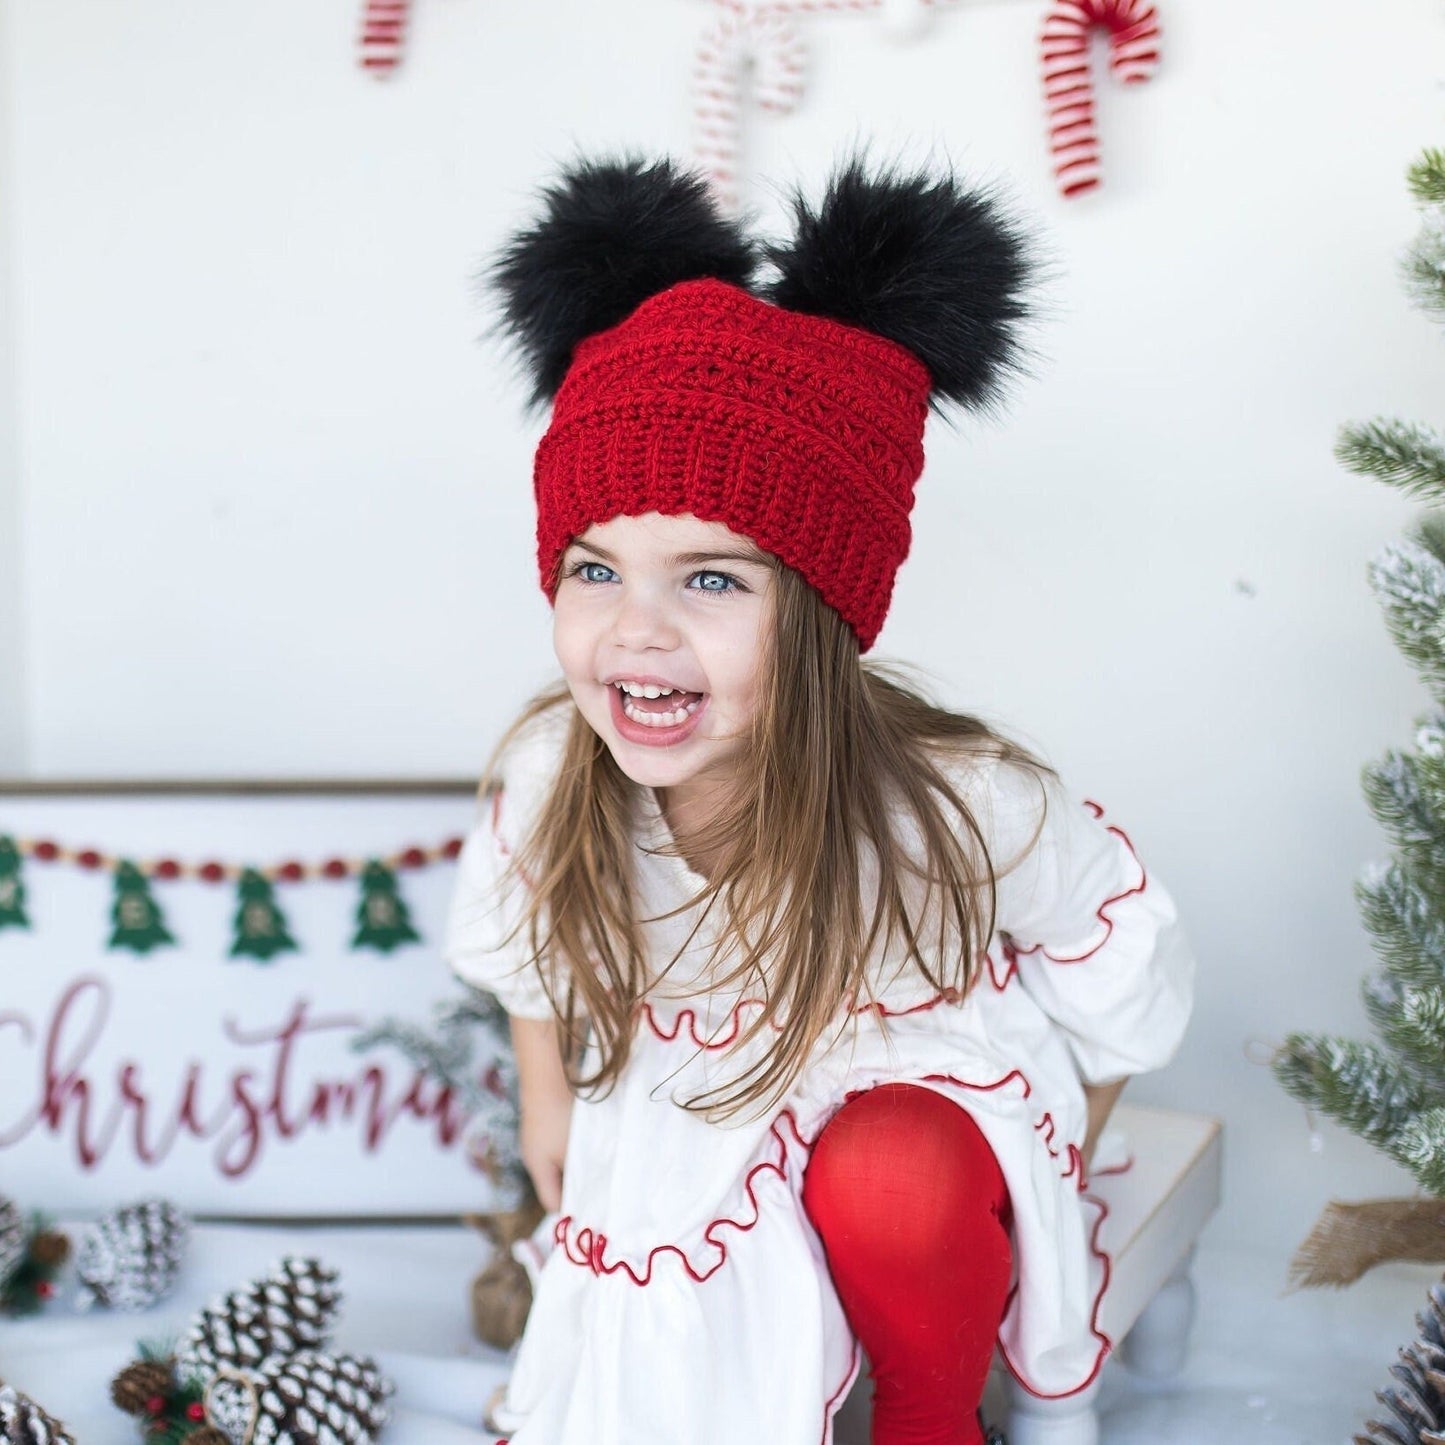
(29, 1281)
(130, 1257)
(13, 1236)
(290, 1309)
(307, 1398)
(1415, 1398)
(23, 1422)
(141, 1382)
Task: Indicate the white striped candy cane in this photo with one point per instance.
(383, 33)
(1133, 27)
(745, 36)
(759, 35)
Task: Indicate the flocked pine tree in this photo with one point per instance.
(1391, 1090)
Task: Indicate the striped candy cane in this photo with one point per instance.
(1133, 28)
(744, 36)
(383, 33)
(758, 35)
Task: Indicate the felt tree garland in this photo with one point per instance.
(259, 926)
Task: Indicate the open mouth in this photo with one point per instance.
(668, 709)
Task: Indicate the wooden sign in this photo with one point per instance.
(229, 1081)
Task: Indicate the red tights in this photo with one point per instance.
(913, 1213)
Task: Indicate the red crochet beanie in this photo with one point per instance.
(796, 420)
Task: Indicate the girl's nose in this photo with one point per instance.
(643, 620)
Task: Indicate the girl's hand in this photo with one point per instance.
(1101, 1099)
(542, 1134)
(545, 1106)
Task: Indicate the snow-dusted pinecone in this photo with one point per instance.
(1414, 1400)
(291, 1309)
(13, 1238)
(23, 1422)
(130, 1257)
(307, 1398)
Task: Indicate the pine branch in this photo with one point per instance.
(1355, 1084)
(1411, 1023)
(1406, 927)
(1407, 455)
(1426, 177)
(1430, 534)
(1407, 811)
(1409, 584)
(1423, 269)
(1420, 1147)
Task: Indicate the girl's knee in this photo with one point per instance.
(904, 1171)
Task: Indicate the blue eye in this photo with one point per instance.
(705, 579)
(580, 571)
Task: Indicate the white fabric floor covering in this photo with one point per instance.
(1265, 1368)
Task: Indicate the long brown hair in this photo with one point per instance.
(839, 745)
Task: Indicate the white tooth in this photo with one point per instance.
(651, 690)
(662, 720)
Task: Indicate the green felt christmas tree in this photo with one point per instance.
(1390, 1089)
(135, 914)
(261, 929)
(382, 920)
(12, 887)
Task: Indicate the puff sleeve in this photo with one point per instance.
(489, 895)
(1093, 933)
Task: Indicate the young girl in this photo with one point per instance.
(819, 993)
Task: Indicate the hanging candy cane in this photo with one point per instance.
(383, 33)
(760, 36)
(745, 36)
(1068, 87)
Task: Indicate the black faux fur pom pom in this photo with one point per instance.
(613, 233)
(940, 269)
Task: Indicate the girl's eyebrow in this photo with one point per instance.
(689, 559)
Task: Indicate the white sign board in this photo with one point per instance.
(228, 1084)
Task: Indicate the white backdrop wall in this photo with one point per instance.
(275, 501)
(13, 752)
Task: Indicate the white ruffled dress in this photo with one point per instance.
(683, 1295)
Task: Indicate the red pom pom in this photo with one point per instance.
(452, 848)
(291, 872)
(167, 868)
(412, 858)
(45, 1290)
(156, 1404)
(212, 872)
(46, 852)
(90, 859)
(335, 868)
(195, 1411)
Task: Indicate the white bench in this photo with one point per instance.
(1157, 1208)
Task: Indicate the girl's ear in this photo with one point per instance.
(611, 234)
(942, 270)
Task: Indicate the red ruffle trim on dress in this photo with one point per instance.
(588, 1247)
(686, 1018)
(1102, 912)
